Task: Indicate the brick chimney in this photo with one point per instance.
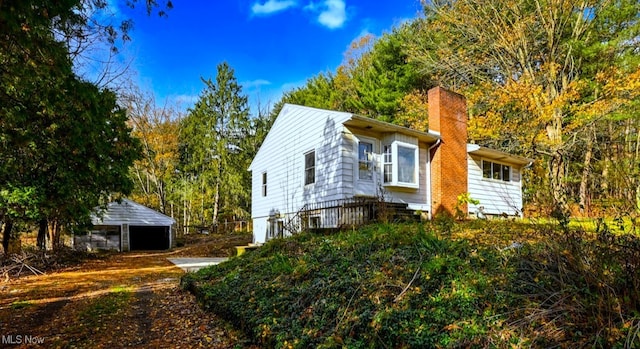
(448, 117)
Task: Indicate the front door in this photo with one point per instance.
(367, 176)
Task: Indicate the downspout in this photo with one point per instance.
(437, 143)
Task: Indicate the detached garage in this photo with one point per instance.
(128, 226)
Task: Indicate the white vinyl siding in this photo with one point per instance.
(282, 156)
(264, 184)
(337, 166)
(310, 168)
(415, 197)
(498, 194)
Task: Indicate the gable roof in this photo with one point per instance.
(381, 126)
(347, 119)
(283, 116)
(129, 212)
(498, 155)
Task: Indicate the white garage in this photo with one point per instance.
(128, 226)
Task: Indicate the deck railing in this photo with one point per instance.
(329, 215)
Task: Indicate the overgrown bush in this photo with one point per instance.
(510, 284)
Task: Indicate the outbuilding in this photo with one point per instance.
(127, 226)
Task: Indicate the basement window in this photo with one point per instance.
(400, 165)
(314, 222)
(494, 170)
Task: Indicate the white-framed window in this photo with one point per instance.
(310, 167)
(314, 222)
(275, 229)
(494, 170)
(400, 164)
(407, 164)
(264, 184)
(387, 164)
(365, 160)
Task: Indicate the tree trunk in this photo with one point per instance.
(216, 203)
(162, 197)
(6, 235)
(54, 235)
(586, 174)
(557, 175)
(184, 216)
(557, 169)
(42, 234)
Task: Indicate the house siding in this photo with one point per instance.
(416, 197)
(443, 174)
(496, 196)
(297, 131)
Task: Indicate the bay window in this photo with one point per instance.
(400, 165)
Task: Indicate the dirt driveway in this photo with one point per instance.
(128, 300)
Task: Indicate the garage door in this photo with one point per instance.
(148, 238)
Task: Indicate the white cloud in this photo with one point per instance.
(334, 14)
(185, 99)
(311, 6)
(288, 86)
(255, 83)
(271, 6)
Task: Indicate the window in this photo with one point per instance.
(365, 161)
(406, 164)
(496, 171)
(314, 222)
(506, 173)
(264, 184)
(401, 165)
(388, 164)
(275, 229)
(310, 168)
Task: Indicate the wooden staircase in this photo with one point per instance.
(398, 212)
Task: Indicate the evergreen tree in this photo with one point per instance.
(64, 143)
(212, 147)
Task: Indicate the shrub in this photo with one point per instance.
(416, 286)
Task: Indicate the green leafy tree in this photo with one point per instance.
(384, 76)
(212, 144)
(374, 80)
(64, 142)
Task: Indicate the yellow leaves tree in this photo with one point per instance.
(530, 68)
(157, 129)
(414, 109)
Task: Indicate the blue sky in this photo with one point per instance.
(273, 45)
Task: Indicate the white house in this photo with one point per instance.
(312, 156)
(125, 226)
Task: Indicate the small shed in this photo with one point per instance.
(128, 226)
